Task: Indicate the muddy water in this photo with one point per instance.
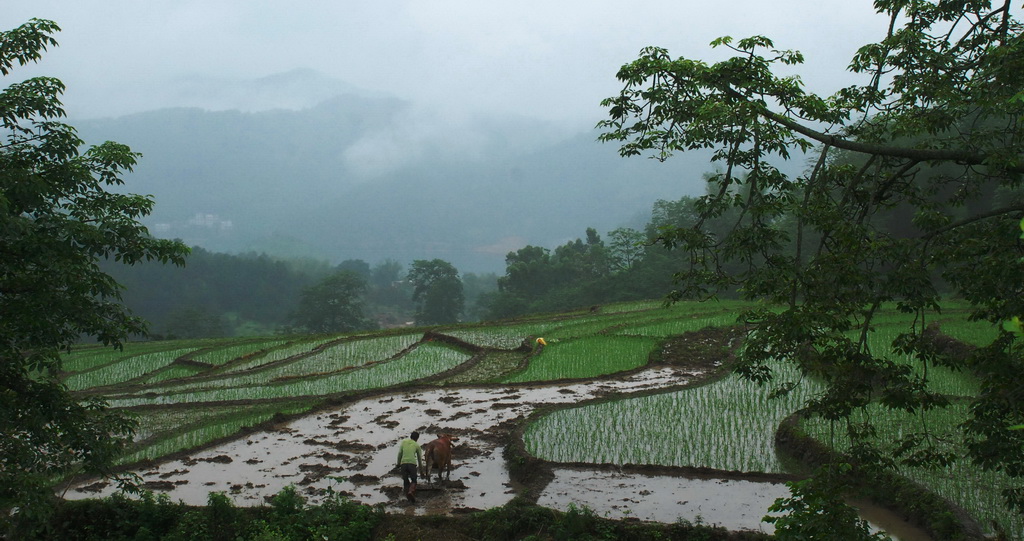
(735, 504)
(353, 448)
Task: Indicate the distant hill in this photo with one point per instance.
(373, 177)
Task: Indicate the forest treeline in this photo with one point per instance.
(217, 294)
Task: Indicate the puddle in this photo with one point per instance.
(733, 504)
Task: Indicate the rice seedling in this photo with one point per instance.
(491, 367)
(500, 336)
(153, 422)
(222, 355)
(586, 323)
(976, 333)
(88, 359)
(198, 426)
(604, 323)
(91, 357)
(586, 358)
(728, 425)
(424, 360)
(634, 306)
(344, 354)
(174, 371)
(670, 327)
(962, 482)
(290, 349)
(940, 379)
(124, 370)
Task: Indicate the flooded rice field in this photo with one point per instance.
(352, 450)
(735, 503)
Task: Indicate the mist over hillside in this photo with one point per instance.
(373, 177)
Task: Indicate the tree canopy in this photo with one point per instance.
(334, 305)
(57, 221)
(437, 291)
(914, 193)
(582, 273)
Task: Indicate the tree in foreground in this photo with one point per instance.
(437, 291)
(914, 192)
(57, 221)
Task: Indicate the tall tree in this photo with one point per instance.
(357, 266)
(931, 133)
(57, 221)
(335, 304)
(193, 322)
(477, 286)
(625, 247)
(528, 272)
(437, 290)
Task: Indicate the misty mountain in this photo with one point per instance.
(374, 177)
(296, 89)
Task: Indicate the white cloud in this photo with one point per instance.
(553, 60)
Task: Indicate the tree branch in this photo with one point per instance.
(962, 156)
(966, 157)
(976, 218)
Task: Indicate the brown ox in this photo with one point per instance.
(438, 454)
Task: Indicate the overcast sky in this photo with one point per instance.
(547, 59)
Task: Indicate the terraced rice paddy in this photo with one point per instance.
(598, 356)
(726, 425)
(351, 447)
(979, 492)
(125, 369)
(219, 406)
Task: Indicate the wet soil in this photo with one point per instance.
(351, 449)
